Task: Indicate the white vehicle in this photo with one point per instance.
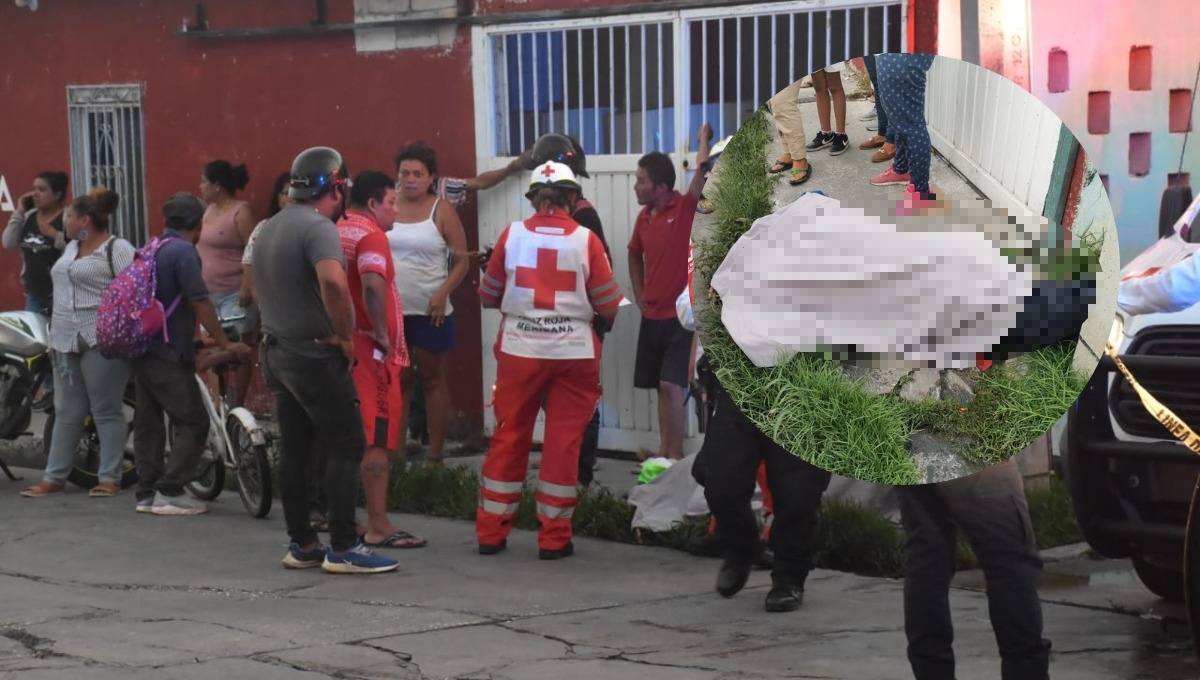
(1130, 480)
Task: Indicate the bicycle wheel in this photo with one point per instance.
(209, 478)
(85, 472)
(253, 469)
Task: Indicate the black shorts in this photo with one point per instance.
(662, 354)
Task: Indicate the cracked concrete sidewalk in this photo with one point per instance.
(92, 589)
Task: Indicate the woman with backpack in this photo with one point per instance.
(86, 382)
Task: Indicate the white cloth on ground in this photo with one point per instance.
(816, 274)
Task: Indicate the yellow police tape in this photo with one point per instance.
(1185, 434)
(1161, 413)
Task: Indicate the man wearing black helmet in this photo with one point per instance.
(307, 354)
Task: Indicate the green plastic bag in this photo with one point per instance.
(651, 469)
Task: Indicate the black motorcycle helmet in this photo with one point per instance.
(560, 149)
(316, 171)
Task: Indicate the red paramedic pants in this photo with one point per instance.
(570, 390)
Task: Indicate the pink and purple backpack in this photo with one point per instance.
(129, 315)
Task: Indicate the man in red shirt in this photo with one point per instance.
(379, 346)
(658, 263)
(548, 276)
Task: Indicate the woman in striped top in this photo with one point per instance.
(86, 381)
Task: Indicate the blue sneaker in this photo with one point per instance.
(358, 560)
(303, 559)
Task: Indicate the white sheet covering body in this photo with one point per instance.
(819, 274)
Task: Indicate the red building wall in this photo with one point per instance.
(257, 101)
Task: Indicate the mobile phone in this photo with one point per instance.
(27, 203)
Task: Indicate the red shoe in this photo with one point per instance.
(889, 176)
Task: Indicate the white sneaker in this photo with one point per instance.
(870, 115)
(177, 505)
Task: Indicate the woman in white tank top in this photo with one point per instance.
(429, 249)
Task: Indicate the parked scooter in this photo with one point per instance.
(24, 364)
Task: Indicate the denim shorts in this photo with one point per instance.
(227, 307)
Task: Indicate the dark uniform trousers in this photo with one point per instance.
(727, 466)
(990, 508)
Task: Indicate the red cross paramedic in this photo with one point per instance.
(548, 276)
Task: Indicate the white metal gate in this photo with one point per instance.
(107, 147)
(617, 85)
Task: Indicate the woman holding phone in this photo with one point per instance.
(36, 228)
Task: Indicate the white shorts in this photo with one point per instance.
(835, 68)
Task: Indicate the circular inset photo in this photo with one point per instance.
(895, 269)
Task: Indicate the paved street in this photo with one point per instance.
(93, 590)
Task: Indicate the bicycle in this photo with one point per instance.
(236, 442)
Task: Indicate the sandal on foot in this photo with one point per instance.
(799, 177)
(104, 490)
(398, 539)
(42, 489)
(780, 166)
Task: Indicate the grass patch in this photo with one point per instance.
(854, 539)
(810, 409)
(1014, 404)
(1059, 261)
(1054, 522)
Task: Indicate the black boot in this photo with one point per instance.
(565, 551)
(493, 549)
(732, 577)
(784, 597)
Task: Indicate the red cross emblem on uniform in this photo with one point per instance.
(546, 279)
(548, 171)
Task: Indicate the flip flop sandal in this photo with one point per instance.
(41, 489)
(104, 491)
(803, 176)
(399, 540)
(780, 166)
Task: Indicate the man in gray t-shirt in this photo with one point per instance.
(292, 308)
(307, 353)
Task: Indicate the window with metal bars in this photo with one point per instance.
(108, 148)
(614, 86)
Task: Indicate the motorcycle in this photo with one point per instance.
(24, 364)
